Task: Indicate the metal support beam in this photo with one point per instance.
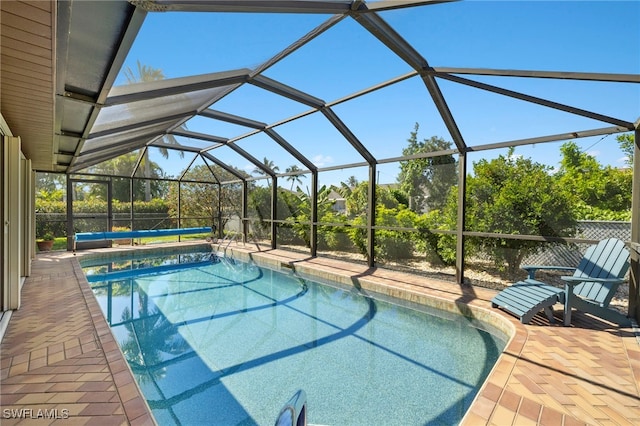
(460, 227)
(394, 41)
(274, 210)
(126, 39)
(286, 91)
(215, 140)
(131, 204)
(179, 205)
(387, 35)
(141, 156)
(348, 135)
(259, 164)
(536, 100)
(384, 5)
(110, 205)
(174, 86)
(171, 120)
(314, 214)
(219, 224)
(245, 209)
(27, 210)
(70, 232)
(445, 112)
(290, 149)
(233, 119)
(549, 138)
(560, 75)
(371, 216)
(302, 41)
(223, 165)
(634, 274)
(245, 6)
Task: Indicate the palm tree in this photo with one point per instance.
(294, 177)
(144, 74)
(150, 335)
(268, 164)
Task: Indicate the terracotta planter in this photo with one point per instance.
(45, 245)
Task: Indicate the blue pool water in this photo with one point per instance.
(227, 343)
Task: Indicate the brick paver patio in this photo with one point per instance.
(60, 363)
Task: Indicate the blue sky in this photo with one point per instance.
(583, 36)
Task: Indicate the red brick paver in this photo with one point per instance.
(55, 367)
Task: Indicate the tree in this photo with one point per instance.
(150, 336)
(123, 165)
(293, 178)
(427, 181)
(299, 204)
(390, 244)
(146, 73)
(597, 192)
(352, 182)
(269, 164)
(50, 182)
(514, 195)
(218, 204)
(259, 210)
(50, 187)
(627, 142)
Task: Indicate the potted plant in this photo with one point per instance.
(46, 242)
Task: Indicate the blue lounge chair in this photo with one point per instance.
(594, 282)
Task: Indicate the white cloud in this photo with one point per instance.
(322, 160)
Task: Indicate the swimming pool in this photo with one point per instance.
(225, 342)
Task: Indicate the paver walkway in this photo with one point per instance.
(59, 361)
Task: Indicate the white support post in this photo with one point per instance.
(11, 223)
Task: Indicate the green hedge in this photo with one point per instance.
(51, 216)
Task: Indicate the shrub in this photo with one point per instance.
(390, 245)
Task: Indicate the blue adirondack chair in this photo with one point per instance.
(590, 288)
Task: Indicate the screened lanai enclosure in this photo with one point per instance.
(435, 136)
